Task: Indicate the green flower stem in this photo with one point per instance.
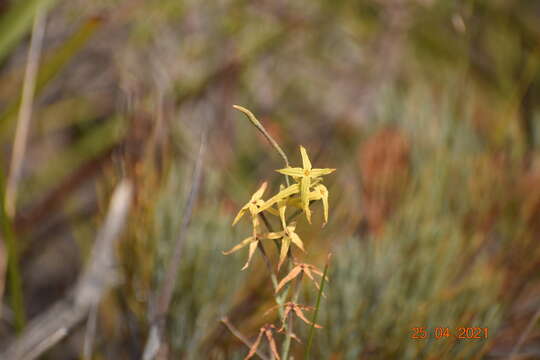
(289, 326)
(270, 139)
(317, 305)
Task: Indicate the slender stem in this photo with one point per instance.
(260, 246)
(289, 326)
(280, 300)
(317, 305)
(270, 139)
(268, 226)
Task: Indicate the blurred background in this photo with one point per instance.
(427, 108)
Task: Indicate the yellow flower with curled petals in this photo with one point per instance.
(287, 237)
(305, 175)
(320, 192)
(253, 204)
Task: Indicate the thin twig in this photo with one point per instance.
(25, 111)
(47, 343)
(54, 324)
(241, 337)
(524, 335)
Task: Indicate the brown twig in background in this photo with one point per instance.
(524, 335)
(90, 333)
(25, 112)
(241, 337)
(54, 324)
(155, 341)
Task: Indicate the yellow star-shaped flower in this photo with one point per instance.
(305, 175)
(253, 204)
(287, 236)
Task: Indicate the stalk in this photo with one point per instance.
(317, 305)
(289, 327)
(270, 139)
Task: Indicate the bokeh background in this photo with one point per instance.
(427, 108)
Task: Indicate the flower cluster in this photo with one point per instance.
(306, 190)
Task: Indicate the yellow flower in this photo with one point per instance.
(287, 236)
(305, 175)
(320, 192)
(253, 205)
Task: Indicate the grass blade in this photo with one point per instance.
(14, 274)
(315, 313)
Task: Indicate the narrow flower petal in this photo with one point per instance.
(321, 172)
(259, 193)
(283, 194)
(253, 349)
(285, 244)
(252, 248)
(286, 312)
(282, 208)
(269, 209)
(240, 214)
(305, 159)
(297, 241)
(324, 197)
(298, 311)
(308, 273)
(314, 270)
(294, 273)
(244, 242)
(274, 235)
(272, 343)
(270, 310)
(304, 195)
(298, 172)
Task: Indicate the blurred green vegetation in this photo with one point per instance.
(428, 109)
